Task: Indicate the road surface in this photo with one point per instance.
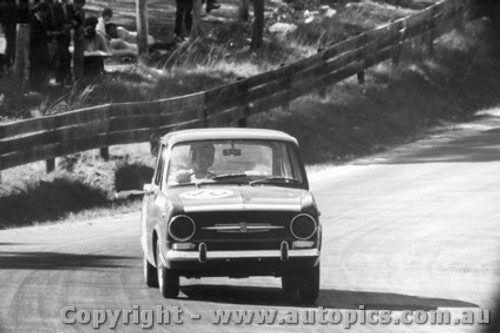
(416, 228)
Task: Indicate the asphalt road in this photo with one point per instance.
(416, 228)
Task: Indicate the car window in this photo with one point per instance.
(212, 159)
(160, 166)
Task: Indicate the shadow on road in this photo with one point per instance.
(60, 261)
(334, 299)
(483, 147)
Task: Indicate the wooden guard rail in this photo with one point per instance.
(102, 126)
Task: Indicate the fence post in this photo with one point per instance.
(286, 106)
(361, 77)
(142, 27)
(104, 152)
(396, 54)
(203, 115)
(242, 122)
(50, 165)
(321, 91)
(21, 63)
(430, 43)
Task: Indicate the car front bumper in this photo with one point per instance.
(239, 263)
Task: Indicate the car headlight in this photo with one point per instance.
(181, 228)
(303, 226)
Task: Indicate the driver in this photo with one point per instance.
(202, 157)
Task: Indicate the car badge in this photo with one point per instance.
(243, 226)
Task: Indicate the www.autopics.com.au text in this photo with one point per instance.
(162, 315)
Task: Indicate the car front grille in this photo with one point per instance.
(242, 227)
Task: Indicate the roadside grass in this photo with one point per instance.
(397, 104)
(83, 186)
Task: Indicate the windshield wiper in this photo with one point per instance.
(203, 182)
(266, 180)
(229, 176)
(222, 178)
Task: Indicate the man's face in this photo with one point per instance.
(106, 18)
(202, 159)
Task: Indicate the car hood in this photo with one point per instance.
(230, 198)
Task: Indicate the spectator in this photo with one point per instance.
(121, 41)
(8, 20)
(78, 14)
(183, 15)
(95, 48)
(54, 33)
(39, 46)
(105, 18)
(64, 13)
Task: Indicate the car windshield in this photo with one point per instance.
(234, 161)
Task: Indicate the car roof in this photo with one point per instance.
(226, 133)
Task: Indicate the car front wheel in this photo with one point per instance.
(168, 281)
(309, 285)
(150, 273)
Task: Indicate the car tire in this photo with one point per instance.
(150, 274)
(309, 285)
(168, 281)
(290, 282)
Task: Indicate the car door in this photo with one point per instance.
(154, 202)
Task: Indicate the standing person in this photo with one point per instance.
(39, 46)
(8, 19)
(64, 14)
(95, 48)
(183, 14)
(78, 13)
(78, 53)
(54, 33)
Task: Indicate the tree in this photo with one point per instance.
(258, 24)
(142, 26)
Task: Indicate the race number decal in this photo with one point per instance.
(206, 194)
